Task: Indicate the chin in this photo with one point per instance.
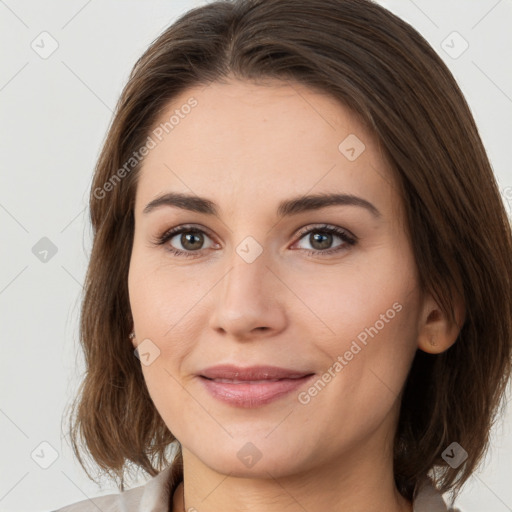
(259, 458)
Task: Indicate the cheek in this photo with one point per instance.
(367, 363)
(159, 297)
(165, 304)
(348, 301)
(367, 316)
(159, 304)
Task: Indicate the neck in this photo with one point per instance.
(357, 483)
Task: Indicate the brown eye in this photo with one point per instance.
(191, 240)
(186, 241)
(320, 241)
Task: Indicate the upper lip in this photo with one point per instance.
(228, 371)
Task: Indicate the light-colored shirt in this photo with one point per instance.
(155, 496)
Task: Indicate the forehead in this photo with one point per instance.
(277, 138)
(247, 114)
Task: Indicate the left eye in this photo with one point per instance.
(321, 239)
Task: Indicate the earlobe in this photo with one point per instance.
(437, 332)
(132, 338)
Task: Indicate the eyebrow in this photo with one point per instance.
(286, 208)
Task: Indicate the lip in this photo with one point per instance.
(252, 386)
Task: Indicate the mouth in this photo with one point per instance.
(237, 381)
(251, 387)
(253, 373)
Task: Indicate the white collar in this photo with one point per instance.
(428, 499)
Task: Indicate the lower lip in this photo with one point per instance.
(254, 394)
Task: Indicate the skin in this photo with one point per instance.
(247, 147)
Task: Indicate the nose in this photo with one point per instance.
(249, 300)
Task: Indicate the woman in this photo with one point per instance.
(298, 234)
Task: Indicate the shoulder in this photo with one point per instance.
(108, 503)
(428, 499)
(154, 495)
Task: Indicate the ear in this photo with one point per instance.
(436, 332)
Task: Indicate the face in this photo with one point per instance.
(248, 272)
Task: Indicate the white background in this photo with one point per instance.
(55, 113)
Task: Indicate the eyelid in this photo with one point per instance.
(176, 230)
(327, 227)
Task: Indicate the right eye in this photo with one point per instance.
(189, 239)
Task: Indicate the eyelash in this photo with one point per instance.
(344, 235)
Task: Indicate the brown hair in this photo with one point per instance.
(382, 69)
